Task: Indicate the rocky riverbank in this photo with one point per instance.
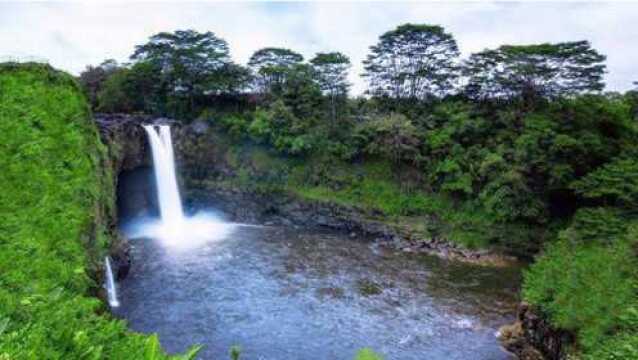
(290, 210)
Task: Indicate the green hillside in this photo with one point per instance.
(55, 199)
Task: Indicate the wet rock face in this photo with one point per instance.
(532, 337)
(123, 136)
(201, 154)
(121, 258)
(126, 139)
(551, 342)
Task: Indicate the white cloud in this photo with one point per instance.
(73, 35)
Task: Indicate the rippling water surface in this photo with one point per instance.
(284, 293)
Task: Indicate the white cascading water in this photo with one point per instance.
(175, 229)
(111, 290)
(170, 202)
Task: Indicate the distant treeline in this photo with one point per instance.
(177, 73)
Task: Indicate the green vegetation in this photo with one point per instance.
(587, 280)
(235, 352)
(514, 148)
(55, 205)
(367, 354)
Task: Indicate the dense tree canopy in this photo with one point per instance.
(545, 70)
(138, 88)
(184, 53)
(392, 136)
(191, 65)
(412, 61)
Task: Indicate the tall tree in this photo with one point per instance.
(301, 93)
(543, 70)
(412, 61)
(331, 73)
(191, 63)
(270, 66)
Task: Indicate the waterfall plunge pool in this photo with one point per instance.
(284, 293)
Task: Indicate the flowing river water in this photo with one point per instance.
(286, 293)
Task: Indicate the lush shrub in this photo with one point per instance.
(615, 183)
(588, 287)
(393, 137)
(235, 124)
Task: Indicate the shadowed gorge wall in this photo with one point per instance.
(136, 193)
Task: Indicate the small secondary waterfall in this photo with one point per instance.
(164, 163)
(111, 290)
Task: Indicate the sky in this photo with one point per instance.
(71, 35)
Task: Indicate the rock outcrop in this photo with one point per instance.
(532, 337)
(125, 139)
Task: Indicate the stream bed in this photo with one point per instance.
(284, 293)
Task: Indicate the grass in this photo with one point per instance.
(55, 204)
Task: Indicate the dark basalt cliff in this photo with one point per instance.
(125, 138)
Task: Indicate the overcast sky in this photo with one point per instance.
(74, 34)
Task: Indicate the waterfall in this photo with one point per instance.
(164, 163)
(111, 290)
(174, 228)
